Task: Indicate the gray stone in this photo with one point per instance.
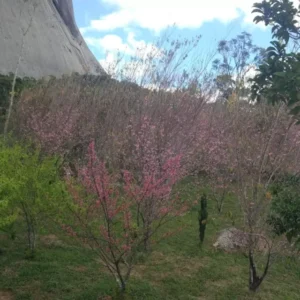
(44, 34)
(233, 239)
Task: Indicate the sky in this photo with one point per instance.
(111, 26)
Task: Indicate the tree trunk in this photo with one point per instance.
(147, 235)
(31, 238)
(255, 280)
(31, 234)
(122, 288)
(138, 215)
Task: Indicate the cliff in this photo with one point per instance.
(41, 38)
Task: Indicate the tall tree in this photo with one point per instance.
(278, 77)
(237, 58)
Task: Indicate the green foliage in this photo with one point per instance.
(6, 89)
(278, 75)
(7, 216)
(202, 217)
(281, 14)
(285, 208)
(6, 85)
(30, 187)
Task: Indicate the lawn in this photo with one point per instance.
(177, 268)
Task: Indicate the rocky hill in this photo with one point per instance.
(41, 38)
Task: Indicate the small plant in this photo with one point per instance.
(231, 217)
(202, 217)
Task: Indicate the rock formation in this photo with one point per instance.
(41, 38)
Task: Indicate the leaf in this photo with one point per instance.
(258, 19)
(257, 10)
(280, 74)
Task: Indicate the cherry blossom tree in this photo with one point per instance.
(105, 211)
(264, 144)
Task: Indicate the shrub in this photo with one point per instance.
(202, 217)
(29, 187)
(285, 208)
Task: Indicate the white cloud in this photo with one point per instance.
(113, 43)
(120, 68)
(109, 43)
(252, 71)
(112, 21)
(160, 14)
(109, 63)
(115, 48)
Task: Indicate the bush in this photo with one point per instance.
(30, 187)
(285, 208)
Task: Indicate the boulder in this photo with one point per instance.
(233, 239)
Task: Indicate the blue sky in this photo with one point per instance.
(109, 26)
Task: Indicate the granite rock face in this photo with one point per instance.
(43, 37)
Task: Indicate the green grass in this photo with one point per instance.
(176, 269)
